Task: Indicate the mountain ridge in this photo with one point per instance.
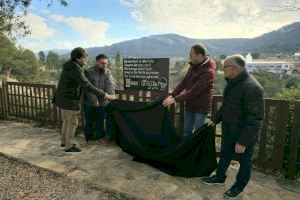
(284, 40)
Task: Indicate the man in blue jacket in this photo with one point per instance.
(242, 114)
(68, 93)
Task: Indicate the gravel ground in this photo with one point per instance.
(20, 180)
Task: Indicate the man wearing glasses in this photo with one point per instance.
(67, 96)
(242, 114)
(94, 106)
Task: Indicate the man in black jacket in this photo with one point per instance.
(68, 93)
(242, 114)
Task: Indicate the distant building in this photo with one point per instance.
(278, 67)
(297, 61)
(297, 56)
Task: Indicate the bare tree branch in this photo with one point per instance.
(289, 6)
(12, 13)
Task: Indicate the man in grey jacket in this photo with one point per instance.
(94, 106)
(242, 114)
(68, 93)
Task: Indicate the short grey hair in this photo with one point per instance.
(238, 59)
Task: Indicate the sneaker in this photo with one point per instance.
(73, 149)
(213, 180)
(233, 192)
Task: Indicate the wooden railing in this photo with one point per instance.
(29, 101)
(277, 148)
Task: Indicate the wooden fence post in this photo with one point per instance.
(294, 143)
(2, 110)
(280, 133)
(5, 100)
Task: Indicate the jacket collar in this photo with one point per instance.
(100, 70)
(243, 75)
(75, 61)
(231, 83)
(202, 63)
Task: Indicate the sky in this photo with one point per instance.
(97, 23)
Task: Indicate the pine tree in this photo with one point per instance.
(118, 71)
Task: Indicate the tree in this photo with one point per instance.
(219, 65)
(54, 65)
(53, 61)
(8, 53)
(42, 57)
(118, 71)
(175, 75)
(222, 57)
(255, 55)
(270, 82)
(12, 13)
(27, 66)
(292, 82)
(18, 62)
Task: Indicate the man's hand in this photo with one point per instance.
(239, 148)
(110, 96)
(168, 101)
(211, 123)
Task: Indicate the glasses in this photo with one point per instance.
(229, 66)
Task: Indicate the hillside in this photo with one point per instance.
(284, 40)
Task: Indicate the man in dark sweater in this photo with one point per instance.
(94, 106)
(68, 93)
(242, 114)
(196, 89)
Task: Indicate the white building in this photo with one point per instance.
(278, 67)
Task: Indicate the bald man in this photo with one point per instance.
(242, 114)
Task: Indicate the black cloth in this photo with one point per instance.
(146, 131)
(242, 111)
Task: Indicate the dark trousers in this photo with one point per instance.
(94, 120)
(245, 160)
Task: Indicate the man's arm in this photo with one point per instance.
(109, 83)
(85, 83)
(216, 118)
(254, 109)
(199, 86)
(181, 86)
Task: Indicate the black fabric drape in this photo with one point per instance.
(145, 131)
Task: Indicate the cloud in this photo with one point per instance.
(40, 33)
(58, 18)
(88, 28)
(39, 28)
(92, 32)
(85, 32)
(208, 19)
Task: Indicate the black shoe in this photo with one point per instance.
(73, 149)
(213, 180)
(233, 192)
(62, 145)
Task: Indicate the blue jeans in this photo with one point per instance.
(192, 121)
(94, 117)
(245, 160)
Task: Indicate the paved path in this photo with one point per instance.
(109, 167)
